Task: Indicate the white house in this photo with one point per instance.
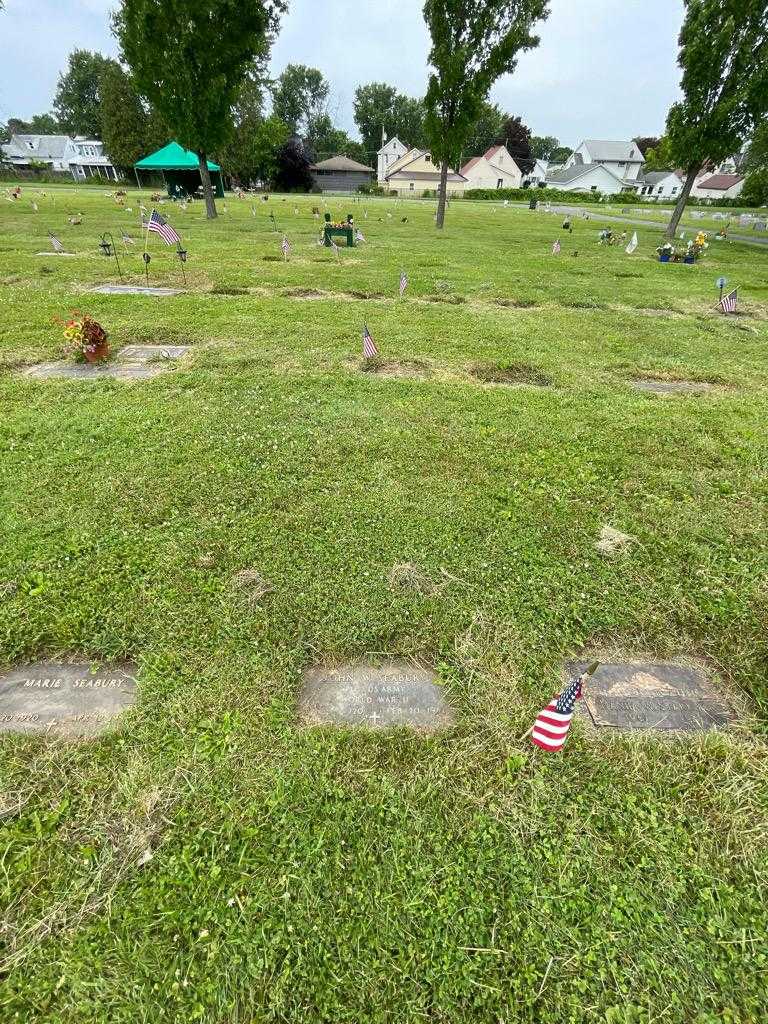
(586, 178)
(718, 186)
(538, 175)
(659, 185)
(82, 158)
(494, 169)
(624, 159)
(388, 155)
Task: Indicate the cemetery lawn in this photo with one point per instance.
(210, 860)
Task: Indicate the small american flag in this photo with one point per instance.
(728, 302)
(403, 283)
(336, 250)
(556, 248)
(161, 227)
(359, 236)
(369, 345)
(550, 729)
(127, 240)
(285, 245)
(55, 243)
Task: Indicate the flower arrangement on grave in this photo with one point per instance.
(666, 252)
(85, 338)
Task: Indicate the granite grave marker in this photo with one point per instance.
(133, 362)
(64, 699)
(391, 693)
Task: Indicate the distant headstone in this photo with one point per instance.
(392, 693)
(64, 699)
(133, 289)
(652, 695)
(759, 225)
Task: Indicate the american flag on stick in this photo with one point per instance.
(161, 227)
(336, 250)
(55, 243)
(369, 345)
(359, 236)
(285, 246)
(127, 240)
(550, 730)
(556, 248)
(403, 283)
(728, 302)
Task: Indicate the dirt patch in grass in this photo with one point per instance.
(511, 374)
(451, 300)
(611, 542)
(629, 274)
(516, 303)
(583, 304)
(364, 295)
(404, 368)
(11, 279)
(227, 290)
(302, 293)
(407, 577)
(271, 258)
(663, 386)
(251, 585)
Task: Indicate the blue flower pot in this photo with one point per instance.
(664, 257)
(689, 259)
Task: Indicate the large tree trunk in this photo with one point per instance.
(681, 201)
(442, 194)
(205, 177)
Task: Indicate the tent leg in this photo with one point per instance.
(138, 183)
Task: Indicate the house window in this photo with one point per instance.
(410, 186)
(594, 188)
(500, 183)
(427, 157)
(674, 190)
(621, 163)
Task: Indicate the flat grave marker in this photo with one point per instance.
(134, 289)
(133, 362)
(663, 696)
(64, 699)
(392, 693)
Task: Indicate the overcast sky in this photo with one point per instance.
(604, 69)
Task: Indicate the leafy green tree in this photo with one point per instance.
(543, 146)
(724, 59)
(659, 157)
(560, 154)
(372, 111)
(755, 191)
(756, 158)
(473, 43)
(646, 142)
(408, 121)
(78, 95)
(299, 97)
(39, 124)
(126, 129)
(326, 141)
(190, 58)
(484, 131)
(251, 155)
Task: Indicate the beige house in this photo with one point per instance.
(414, 173)
(718, 186)
(494, 169)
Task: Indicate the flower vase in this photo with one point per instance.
(99, 353)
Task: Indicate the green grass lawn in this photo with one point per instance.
(349, 876)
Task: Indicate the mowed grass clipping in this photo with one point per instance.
(210, 861)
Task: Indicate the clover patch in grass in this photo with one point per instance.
(511, 374)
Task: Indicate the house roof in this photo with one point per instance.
(37, 147)
(654, 177)
(602, 150)
(568, 174)
(173, 157)
(425, 175)
(720, 182)
(340, 163)
(470, 164)
(389, 142)
(489, 154)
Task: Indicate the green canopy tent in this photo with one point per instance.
(180, 170)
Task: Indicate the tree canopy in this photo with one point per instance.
(543, 146)
(190, 58)
(516, 136)
(77, 102)
(484, 131)
(378, 107)
(724, 59)
(299, 97)
(473, 44)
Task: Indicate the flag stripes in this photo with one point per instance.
(369, 345)
(161, 227)
(728, 302)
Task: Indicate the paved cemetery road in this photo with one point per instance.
(596, 214)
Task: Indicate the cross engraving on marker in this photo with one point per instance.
(374, 717)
